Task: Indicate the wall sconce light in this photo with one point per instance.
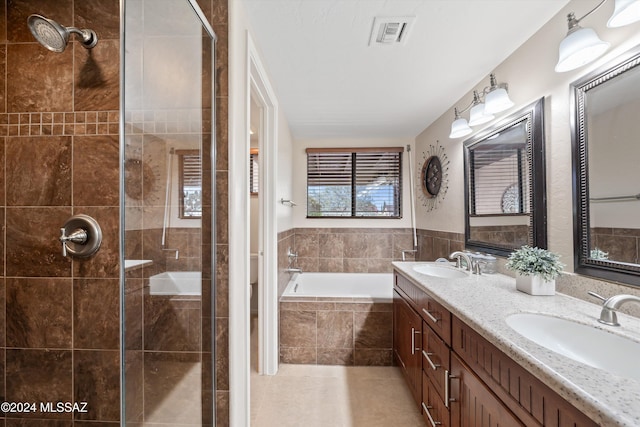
(496, 100)
(582, 45)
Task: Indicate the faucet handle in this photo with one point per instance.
(600, 297)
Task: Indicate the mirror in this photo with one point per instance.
(606, 176)
(505, 195)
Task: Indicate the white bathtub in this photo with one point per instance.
(176, 283)
(341, 285)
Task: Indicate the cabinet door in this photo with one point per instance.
(407, 342)
(473, 404)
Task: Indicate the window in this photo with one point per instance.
(253, 172)
(190, 183)
(354, 182)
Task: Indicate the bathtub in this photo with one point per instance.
(337, 319)
(176, 283)
(377, 286)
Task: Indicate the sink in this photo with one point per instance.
(580, 342)
(439, 270)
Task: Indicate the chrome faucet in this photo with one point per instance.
(608, 314)
(459, 256)
(293, 270)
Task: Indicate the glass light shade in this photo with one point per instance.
(478, 115)
(624, 13)
(459, 128)
(497, 101)
(580, 47)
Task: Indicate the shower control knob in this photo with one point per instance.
(81, 236)
(78, 236)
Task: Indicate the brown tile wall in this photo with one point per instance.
(509, 236)
(438, 244)
(59, 150)
(343, 331)
(350, 250)
(59, 142)
(622, 244)
(286, 240)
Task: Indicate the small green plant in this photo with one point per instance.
(599, 254)
(530, 261)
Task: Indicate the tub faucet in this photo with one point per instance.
(608, 314)
(459, 256)
(293, 270)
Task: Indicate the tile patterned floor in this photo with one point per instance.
(332, 396)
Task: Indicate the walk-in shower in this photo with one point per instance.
(55, 37)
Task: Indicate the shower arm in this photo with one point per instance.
(87, 36)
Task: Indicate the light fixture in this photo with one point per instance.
(625, 12)
(459, 127)
(478, 114)
(496, 100)
(582, 45)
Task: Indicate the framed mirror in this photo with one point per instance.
(606, 176)
(505, 190)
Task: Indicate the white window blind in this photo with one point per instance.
(499, 179)
(253, 172)
(354, 182)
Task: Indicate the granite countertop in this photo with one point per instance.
(484, 302)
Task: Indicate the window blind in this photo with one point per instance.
(354, 182)
(253, 172)
(498, 179)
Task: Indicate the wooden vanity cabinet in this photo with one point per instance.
(473, 404)
(407, 343)
(462, 380)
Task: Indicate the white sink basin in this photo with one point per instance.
(440, 270)
(580, 342)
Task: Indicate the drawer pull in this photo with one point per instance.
(430, 316)
(433, 365)
(426, 410)
(447, 379)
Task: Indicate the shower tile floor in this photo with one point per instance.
(331, 396)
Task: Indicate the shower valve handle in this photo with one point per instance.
(81, 236)
(78, 236)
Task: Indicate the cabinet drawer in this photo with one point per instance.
(436, 316)
(435, 359)
(409, 289)
(433, 410)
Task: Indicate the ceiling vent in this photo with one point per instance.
(390, 31)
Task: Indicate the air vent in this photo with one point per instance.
(389, 31)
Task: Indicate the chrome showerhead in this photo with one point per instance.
(55, 37)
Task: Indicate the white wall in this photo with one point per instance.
(529, 71)
(286, 177)
(299, 157)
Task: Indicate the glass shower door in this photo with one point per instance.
(167, 196)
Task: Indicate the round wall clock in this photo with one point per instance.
(434, 177)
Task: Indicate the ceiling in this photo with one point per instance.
(331, 84)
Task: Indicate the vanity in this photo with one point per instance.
(465, 364)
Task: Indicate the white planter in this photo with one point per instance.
(535, 285)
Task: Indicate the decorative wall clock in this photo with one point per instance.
(434, 177)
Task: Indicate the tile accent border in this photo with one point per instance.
(60, 123)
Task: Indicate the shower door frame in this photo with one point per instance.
(206, 26)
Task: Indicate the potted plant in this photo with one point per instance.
(536, 270)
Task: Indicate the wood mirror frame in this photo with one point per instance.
(585, 262)
(533, 118)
